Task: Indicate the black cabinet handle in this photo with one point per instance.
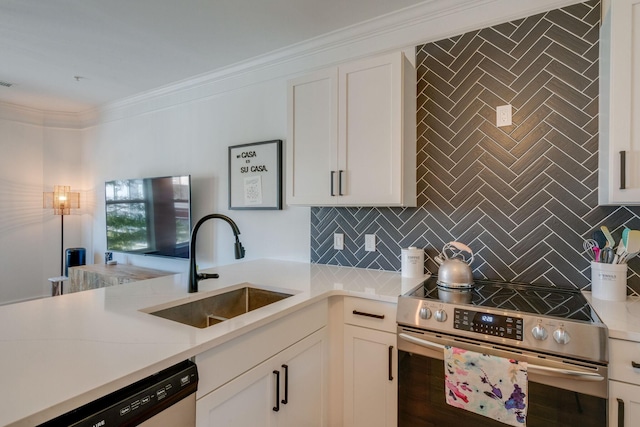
(331, 175)
(286, 384)
(620, 412)
(623, 171)
(277, 407)
(390, 363)
(340, 183)
(635, 365)
(362, 313)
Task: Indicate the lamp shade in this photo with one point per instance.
(61, 200)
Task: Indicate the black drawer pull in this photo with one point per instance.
(286, 385)
(623, 171)
(635, 365)
(340, 183)
(620, 412)
(362, 313)
(390, 363)
(277, 407)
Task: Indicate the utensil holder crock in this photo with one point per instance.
(609, 281)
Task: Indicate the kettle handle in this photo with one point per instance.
(461, 247)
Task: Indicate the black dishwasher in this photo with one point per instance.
(166, 398)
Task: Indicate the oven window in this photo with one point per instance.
(421, 401)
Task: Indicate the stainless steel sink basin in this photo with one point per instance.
(217, 308)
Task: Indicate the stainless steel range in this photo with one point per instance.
(554, 330)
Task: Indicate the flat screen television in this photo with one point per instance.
(149, 216)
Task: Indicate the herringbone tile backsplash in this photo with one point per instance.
(523, 197)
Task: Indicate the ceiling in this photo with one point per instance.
(75, 55)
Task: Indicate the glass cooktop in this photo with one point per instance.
(527, 298)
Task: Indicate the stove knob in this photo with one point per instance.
(425, 313)
(441, 315)
(539, 332)
(561, 336)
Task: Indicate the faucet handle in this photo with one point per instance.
(203, 276)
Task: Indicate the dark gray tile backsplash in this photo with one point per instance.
(523, 197)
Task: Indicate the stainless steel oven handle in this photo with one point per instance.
(540, 370)
(421, 342)
(579, 375)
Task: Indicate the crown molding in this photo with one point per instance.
(35, 117)
(425, 22)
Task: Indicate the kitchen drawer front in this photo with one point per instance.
(231, 359)
(622, 355)
(370, 314)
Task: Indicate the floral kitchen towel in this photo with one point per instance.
(487, 385)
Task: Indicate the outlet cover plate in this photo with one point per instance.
(503, 115)
(370, 242)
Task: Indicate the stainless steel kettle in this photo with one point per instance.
(455, 269)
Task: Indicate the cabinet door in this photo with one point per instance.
(304, 376)
(619, 180)
(624, 404)
(264, 396)
(370, 372)
(312, 139)
(246, 401)
(370, 138)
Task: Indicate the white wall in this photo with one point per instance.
(193, 138)
(21, 230)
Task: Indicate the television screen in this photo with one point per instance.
(149, 216)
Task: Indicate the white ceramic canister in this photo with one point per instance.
(412, 262)
(609, 281)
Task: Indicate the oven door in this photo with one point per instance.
(560, 392)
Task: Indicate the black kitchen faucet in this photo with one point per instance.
(194, 276)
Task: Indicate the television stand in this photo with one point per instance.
(93, 276)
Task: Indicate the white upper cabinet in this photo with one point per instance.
(619, 163)
(352, 135)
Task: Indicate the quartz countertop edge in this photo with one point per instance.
(60, 353)
(621, 317)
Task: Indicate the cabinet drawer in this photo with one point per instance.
(370, 314)
(621, 356)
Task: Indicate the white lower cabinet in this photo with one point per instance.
(624, 404)
(289, 389)
(624, 383)
(370, 364)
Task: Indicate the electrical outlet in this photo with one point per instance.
(370, 242)
(503, 115)
(338, 241)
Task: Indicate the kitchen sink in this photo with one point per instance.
(217, 308)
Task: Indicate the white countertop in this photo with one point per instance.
(59, 353)
(622, 318)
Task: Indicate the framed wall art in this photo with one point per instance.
(255, 175)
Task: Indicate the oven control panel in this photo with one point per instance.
(488, 324)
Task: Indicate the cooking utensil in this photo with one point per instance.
(591, 247)
(610, 242)
(455, 270)
(607, 255)
(599, 237)
(632, 246)
(620, 250)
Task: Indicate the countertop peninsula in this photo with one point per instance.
(60, 353)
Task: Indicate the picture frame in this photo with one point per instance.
(255, 175)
